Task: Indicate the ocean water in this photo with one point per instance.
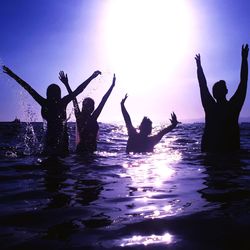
(174, 198)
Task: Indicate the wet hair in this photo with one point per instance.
(219, 89)
(88, 104)
(146, 126)
(53, 92)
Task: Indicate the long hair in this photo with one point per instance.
(88, 105)
(53, 92)
(146, 126)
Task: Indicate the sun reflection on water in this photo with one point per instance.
(152, 170)
(167, 238)
(151, 186)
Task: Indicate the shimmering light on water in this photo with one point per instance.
(148, 177)
(106, 154)
(154, 169)
(147, 240)
(156, 211)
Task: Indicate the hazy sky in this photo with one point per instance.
(149, 44)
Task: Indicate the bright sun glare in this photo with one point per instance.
(145, 40)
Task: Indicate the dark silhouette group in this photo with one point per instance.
(221, 132)
(53, 111)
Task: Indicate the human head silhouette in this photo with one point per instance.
(145, 126)
(53, 92)
(88, 105)
(220, 90)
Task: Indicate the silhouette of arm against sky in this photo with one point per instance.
(126, 116)
(206, 97)
(174, 122)
(39, 99)
(239, 97)
(98, 110)
(80, 88)
(64, 79)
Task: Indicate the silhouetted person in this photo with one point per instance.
(139, 142)
(53, 110)
(221, 132)
(86, 119)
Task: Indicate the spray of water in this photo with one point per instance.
(31, 143)
(30, 139)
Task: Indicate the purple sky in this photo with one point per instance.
(150, 45)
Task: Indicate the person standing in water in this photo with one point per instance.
(86, 119)
(141, 142)
(53, 111)
(221, 132)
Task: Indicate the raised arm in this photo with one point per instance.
(174, 122)
(81, 87)
(206, 97)
(239, 97)
(64, 79)
(126, 116)
(39, 99)
(98, 110)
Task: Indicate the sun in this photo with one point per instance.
(145, 40)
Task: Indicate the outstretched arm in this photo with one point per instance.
(174, 122)
(25, 85)
(81, 87)
(98, 110)
(126, 116)
(64, 79)
(239, 97)
(206, 97)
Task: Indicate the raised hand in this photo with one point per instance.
(64, 78)
(96, 73)
(124, 99)
(198, 60)
(244, 51)
(114, 79)
(7, 71)
(173, 119)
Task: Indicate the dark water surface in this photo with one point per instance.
(175, 198)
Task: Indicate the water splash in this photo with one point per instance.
(31, 144)
(30, 140)
(11, 154)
